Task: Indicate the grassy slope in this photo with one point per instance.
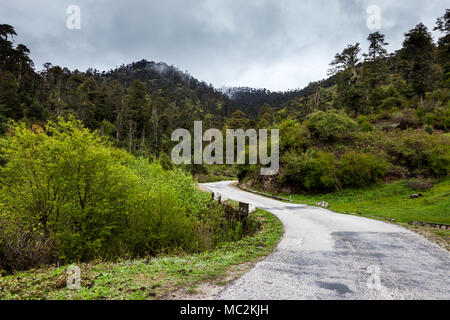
(152, 278)
(389, 201)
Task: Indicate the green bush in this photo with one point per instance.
(330, 126)
(361, 169)
(312, 171)
(444, 120)
(66, 184)
(429, 119)
(66, 194)
(390, 102)
(420, 151)
(366, 126)
(294, 136)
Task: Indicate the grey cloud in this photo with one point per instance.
(259, 43)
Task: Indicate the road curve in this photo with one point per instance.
(325, 255)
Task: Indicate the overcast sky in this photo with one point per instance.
(276, 44)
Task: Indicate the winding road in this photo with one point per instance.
(325, 255)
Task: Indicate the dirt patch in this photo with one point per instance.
(210, 289)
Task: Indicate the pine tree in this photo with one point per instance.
(375, 68)
(443, 53)
(136, 105)
(115, 101)
(344, 67)
(416, 60)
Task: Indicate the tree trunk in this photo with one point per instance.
(118, 127)
(19, 76)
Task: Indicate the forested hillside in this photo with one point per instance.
(251, 100)
(386, 117)
(390, 109)
(139, 105)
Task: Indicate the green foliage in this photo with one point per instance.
(313, 171)
(65, 184)
(66, 194)
(429, 129)
(330, 126)
(390, 102)
(361, 169)
(416, 59)
(366, 126)
(238, 120)
(420, 152)
(164, 274)
(293, 136)
(445, 119)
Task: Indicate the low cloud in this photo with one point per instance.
(257, 43)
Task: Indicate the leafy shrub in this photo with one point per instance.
(67, 195)
(294, 136)
(361, 169)
(429, 119)
(420, 151)
(391, 102)
(407, 118)
(330, 125)
(67, 185)
(366, 126)
(444, 121)
(313, 170)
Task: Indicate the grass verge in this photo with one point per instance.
(152, 278)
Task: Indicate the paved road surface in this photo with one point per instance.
(325, 255)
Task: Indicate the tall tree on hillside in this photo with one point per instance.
(87, 92)
(375, 68)
(9, 88)
(9, 96)
(6, 46)
(443, 25)
(344, 67)
(158, 104)
(347, 59)
(136, 102)
(24, 63)
(416, 60)
(53, 85)
(115, 100)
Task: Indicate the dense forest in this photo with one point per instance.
(139, 105)
(84, 166)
